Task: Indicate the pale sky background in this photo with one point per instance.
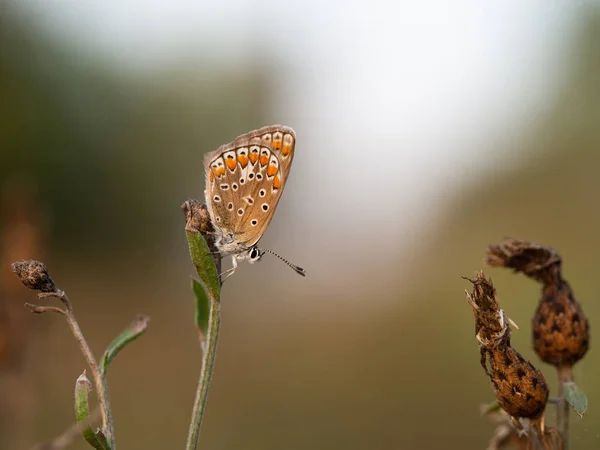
(399, 102)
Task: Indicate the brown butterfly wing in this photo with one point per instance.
(245, 180)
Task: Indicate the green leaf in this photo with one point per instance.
(490, 408)
(576, 398)
(82, 414)
(83, 387)
(205, 265)
(202, 306)
(132, 332)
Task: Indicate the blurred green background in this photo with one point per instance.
(424, 133)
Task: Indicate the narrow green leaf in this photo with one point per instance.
(202, 306)
(82, 413)
(490, 408)
(132, 332)
(576, 398)
(205, 266)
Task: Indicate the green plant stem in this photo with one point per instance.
(209, 351)
(565, 375)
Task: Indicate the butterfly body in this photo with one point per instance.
(244, 183)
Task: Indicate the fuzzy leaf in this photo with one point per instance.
(132, 332)
(576, 398)
(203, 261)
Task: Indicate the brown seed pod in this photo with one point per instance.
(560, 328)
(34, 275)
(197, 217)
(520, 388)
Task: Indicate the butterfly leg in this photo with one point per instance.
(229, 272)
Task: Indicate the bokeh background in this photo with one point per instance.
(426, 130)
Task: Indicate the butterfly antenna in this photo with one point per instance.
(298, 270)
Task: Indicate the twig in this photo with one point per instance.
(565, 375)
(42, 309)
(69, 435)
(34, 275)
(97, 374)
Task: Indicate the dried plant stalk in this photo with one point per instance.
(34, 275)
(560, 327)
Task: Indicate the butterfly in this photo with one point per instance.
(244, 182)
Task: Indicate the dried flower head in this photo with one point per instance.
(520, 388)
(34, 275)
(560, 327)
(197, 217)
(491, 324)
(534, 260)
(198, 220)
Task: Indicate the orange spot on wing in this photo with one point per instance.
(243, 159)
(286, 149)
(231, 163)
(211, 175)
(276, 144)
(220, 171)
(272, 170)
(253, 157)
(277, 182)
(264, 159)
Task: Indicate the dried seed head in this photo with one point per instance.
(491, 324)
(560, 328)
(534, 260)
(34, 275)
(197, 217)
(520, 388)
(198, 220)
